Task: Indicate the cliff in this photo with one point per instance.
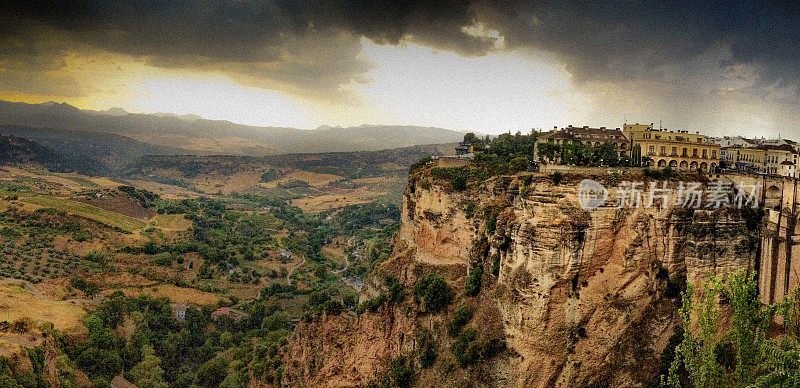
(577, 297)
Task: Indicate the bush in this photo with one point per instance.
(400, 373)
(333, 307)
(557, 178)
(82, 235)
(396, 291)
(469, 211)
(426, 349)
(95, 257)
(472, 285)
(460, 318)
(372, 304)
(434, 291)
(459, 183)
(468, 349)
(464, 348)
(212, 373)
(491, 223)
(88, 288)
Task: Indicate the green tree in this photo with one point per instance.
(434, 291)
(213, 372)
(472, 286)
(148, 373)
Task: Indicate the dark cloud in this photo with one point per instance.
(314, 45)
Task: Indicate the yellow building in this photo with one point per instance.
(679, 150)
(629, 129)
(745, 158)
(780, 160)
(764, 159)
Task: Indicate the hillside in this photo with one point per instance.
(193, 135)
(112, 151)
(16, 150)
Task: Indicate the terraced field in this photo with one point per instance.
(94, 213)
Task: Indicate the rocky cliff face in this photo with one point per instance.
(579, 297)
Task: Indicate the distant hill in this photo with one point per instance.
(351, 165)
(109, 150)
(193, 135)
(16, 150)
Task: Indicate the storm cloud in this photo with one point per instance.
(313, 48)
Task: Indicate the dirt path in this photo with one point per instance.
(346, 264)
(289, 274)
(346, 258)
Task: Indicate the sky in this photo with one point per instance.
(722, 68)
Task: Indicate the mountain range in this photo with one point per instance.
(60, 126)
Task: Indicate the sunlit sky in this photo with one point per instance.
(480, 67)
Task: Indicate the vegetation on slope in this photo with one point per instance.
(751, 351)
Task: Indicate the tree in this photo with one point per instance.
(472, 286)
(213, 372)
(148, 373)
(741, 356)
(434, 291)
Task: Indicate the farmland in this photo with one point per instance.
(100, 215)
(276, 243)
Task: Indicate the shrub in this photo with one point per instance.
(491, 223)
(333, 307)
(82, 235)
(400, 373)
(21, 325)
(469, 211)
(557, 178)
(426, 349)
(472, 285)
(88, 288)
(464, 348)
(396, 291)
(419, 164)
(434, 291)
(372, 304)
(461, 317)
(468, 349)
(459, 183)
(95, 257)
(212, 373)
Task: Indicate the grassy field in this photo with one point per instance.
(171, 222)
(87, 211)
(173, 293)
(16, 302)
(331, 201)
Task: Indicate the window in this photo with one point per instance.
(705, 153)
(663, 150)
(651, 150)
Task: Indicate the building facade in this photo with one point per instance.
(768, 159)
(678, 150)
(593, 137)
(780, 159)
(745, 159)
